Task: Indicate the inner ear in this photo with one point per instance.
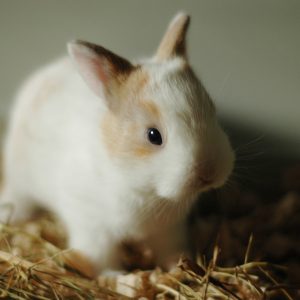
(102, 70)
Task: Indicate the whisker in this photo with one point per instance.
(247, 145)
(241, 157)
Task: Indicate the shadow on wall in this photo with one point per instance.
(260, 156)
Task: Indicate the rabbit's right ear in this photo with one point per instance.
(102, 70)
(173, 42)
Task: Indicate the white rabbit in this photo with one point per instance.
(117, 150)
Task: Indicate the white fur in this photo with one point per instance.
(55, 157)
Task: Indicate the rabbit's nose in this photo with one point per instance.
(203, 175)
(205, 181)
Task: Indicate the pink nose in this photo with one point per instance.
(206, 181)
(205, 174)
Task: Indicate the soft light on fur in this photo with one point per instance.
(77, 145)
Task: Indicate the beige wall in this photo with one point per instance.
(246, 52)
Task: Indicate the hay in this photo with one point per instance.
(31, 267)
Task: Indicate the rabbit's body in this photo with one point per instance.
(80, 148)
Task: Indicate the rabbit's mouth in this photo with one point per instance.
(197, 180)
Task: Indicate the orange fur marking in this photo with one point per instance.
(150, 107)
(123, 135)
(135, 83)
(142, 151)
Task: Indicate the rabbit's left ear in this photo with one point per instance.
(103, 71)
(174, 41)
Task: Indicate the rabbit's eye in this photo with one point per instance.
(154, 136)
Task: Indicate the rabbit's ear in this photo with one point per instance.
(173, 42)
(102, 70)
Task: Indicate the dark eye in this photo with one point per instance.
(154, 136)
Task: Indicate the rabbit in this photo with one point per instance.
(118, 150)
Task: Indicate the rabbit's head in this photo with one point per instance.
(160, 124)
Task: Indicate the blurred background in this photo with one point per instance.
(247, 53)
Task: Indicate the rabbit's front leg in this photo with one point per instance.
(169, 244)
(95, 243)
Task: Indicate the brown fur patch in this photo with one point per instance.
(135, 84)
(122, 138)
(123, 129)
(141, 151)
(150, 107)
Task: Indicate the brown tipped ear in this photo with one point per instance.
(173, 42)
(102, 70)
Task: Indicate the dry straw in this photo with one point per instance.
(32, 267)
